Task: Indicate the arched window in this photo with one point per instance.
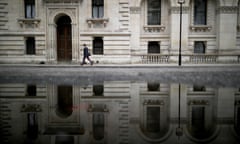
(153, 47)
(153, 86)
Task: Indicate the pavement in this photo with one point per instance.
(75, 74)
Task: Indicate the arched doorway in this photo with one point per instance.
(64, 39)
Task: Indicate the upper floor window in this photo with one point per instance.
(200, 12)
(154, 12)
(98, 46)
(153, 47)
(29, 8)
(30, 46)
(97, 8)
(199, 47)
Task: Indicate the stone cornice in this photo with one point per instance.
(227, 9)
(176, 10)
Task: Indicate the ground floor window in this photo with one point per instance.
(30, 46)
(98, 46)
(153, 47)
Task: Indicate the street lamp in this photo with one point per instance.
(180, 39)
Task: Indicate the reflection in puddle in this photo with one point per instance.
(119, 112)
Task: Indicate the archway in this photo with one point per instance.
(64, 38)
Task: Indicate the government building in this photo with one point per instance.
(120, 31)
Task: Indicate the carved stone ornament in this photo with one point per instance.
(198, 102)
(31, 108)
(227, 9)
(153, 102)
(29, 23)
(154, 28)
(94, 22)
(200, 28)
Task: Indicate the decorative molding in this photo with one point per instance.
(29, 23)
(31, 108)
(227, 9)
(135, 10)
(200, 28)
(176, 10)
(153, 102)
(100, 22)
(198, 102)
(154, 28)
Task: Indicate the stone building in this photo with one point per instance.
(119, 112)
(119, 31)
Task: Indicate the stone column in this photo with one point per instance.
(227, 27)
(75, 43)
(175, 29)
(135, 32)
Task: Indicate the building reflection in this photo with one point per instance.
(118, 112)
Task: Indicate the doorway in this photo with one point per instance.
(64, 39)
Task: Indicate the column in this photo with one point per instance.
(175, 29)
(135, 33)
(51, 43)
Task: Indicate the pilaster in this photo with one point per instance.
(227, 28)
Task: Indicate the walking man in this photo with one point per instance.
(86, 54)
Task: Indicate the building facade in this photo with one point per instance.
(119, 31)
(119, 112)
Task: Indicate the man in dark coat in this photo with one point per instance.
(86, 54)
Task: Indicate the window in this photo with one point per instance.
(200, 12)
(98, 90)
(199, 47)
(153, 87)
(154, 12)
(198, 121)
(31, 90)
(98, 125)
(30, 46)
(65, 101)
(32, 127)
(153, 119)
(153, 47)
(98, 46)
(97, 8)
(199, 88)
(237, 122)
(29, 8)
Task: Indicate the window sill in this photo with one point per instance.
(29, 23)
(154, 28)
(97, 22)
(200, 28)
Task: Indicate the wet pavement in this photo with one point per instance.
(75, 74)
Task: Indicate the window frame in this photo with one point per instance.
(99, 9)
(154, 44)
(98, 50)
(194, 15)
(30, 46)
(147, 13)
(29, 5)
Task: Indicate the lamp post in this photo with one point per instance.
(181, 2)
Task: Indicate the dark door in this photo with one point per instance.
(64, 39)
